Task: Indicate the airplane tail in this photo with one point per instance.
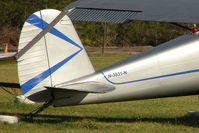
(57, 57)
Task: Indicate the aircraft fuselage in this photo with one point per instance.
(171, 69)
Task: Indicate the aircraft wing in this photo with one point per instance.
(124, 11)
(85, 87)
(7, 55)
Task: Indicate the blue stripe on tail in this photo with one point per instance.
(38, 22)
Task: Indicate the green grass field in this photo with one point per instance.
(165, 115)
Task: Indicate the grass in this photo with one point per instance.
(145, 116)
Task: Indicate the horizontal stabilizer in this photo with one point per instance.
(11, 85)
(7, 55)
(86, 87)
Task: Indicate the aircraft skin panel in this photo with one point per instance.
(159, 72)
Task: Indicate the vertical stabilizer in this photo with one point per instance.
(57, 57)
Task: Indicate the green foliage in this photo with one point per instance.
(13, 13)
(90, 33)
(99, 61)
(131, 34)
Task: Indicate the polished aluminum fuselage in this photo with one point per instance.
(171, 69)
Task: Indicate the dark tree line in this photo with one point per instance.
(13, 13)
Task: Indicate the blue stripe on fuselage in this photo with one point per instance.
(150, 78)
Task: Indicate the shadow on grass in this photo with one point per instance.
(54, 119)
